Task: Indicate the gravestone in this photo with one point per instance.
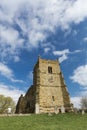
(56, 109)
(62, 109)
(83, 112)
(9, 110)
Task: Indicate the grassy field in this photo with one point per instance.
(44, 122)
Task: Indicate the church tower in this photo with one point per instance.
(49, 93)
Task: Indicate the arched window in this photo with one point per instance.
(49, 70)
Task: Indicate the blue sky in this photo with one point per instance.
(54, 29)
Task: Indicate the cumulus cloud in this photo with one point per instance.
(79, 75)
(10, 41)
(76, 101)
(8, 73)
(64, 54)
(10, 91)
(26, 24)
(77, 12)
(84, 92)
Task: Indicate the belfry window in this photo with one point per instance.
(49, 70)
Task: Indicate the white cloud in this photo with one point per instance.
(8, 35)
(63, 58)
(76, 51)
(64, 54)
(10, 91)
(16, 59)
(77, 12)
(80, 75)
(85, 39)
(84, 92)
(8, 73)
(25, 23)
(46, 50)
(35, 37)
(10, 40)
(48, 47)
(5, 71)
(66, 51)
(16, 80)
(76, 101)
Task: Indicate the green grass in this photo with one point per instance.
(44, 122)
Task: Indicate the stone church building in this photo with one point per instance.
(49, 93)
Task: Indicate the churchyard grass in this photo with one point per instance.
(68, 121)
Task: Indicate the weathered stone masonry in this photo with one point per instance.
(48, 94)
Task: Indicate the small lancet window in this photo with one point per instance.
(50, 70)
(53, 99)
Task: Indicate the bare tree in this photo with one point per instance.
(84, 102)
(6, 102)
